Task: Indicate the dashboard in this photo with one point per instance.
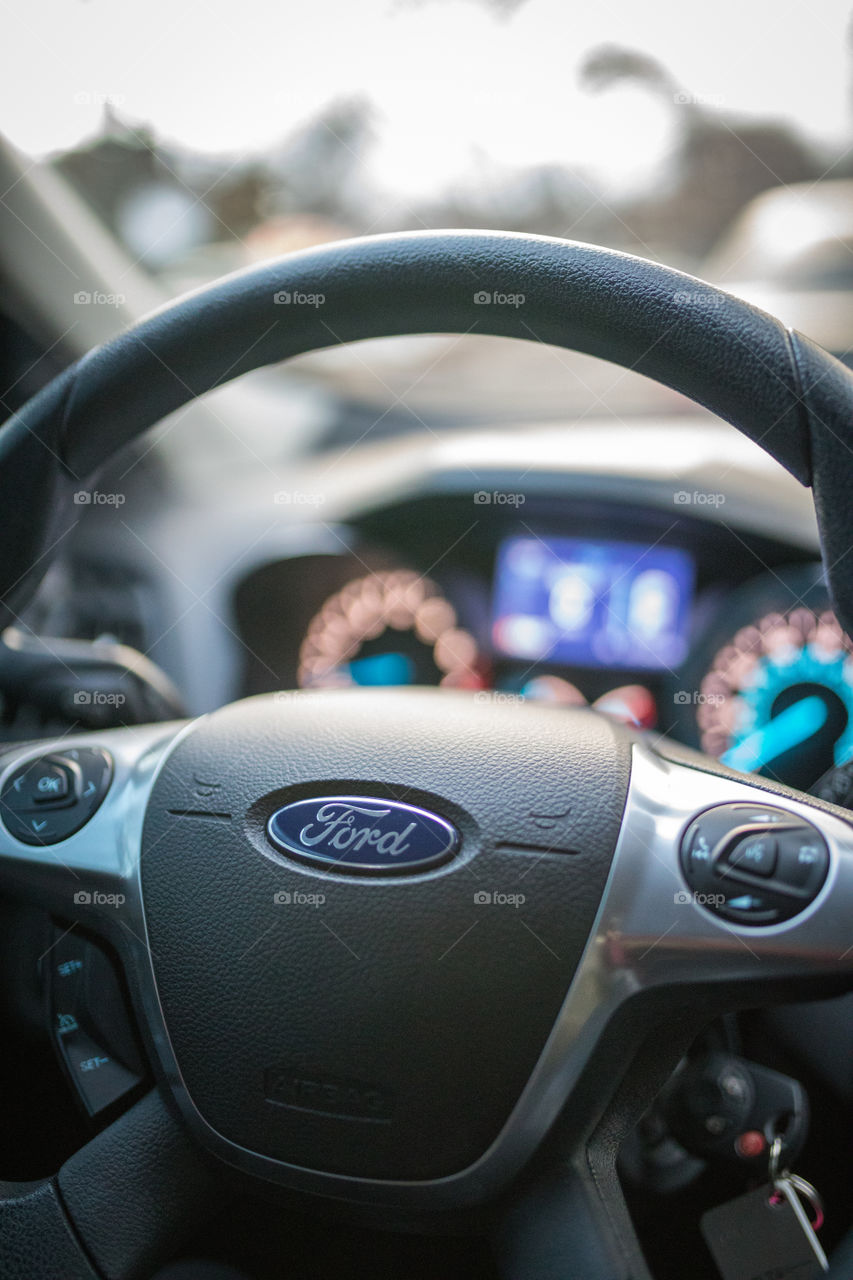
(666, 573)
(665, 620)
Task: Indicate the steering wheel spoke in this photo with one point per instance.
(138, 1190)
(103, 780)
(118, 1208)
(720, 880)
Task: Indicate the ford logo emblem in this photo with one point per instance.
(361, 833)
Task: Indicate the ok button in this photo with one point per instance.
(48, 782)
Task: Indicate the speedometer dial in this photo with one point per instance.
(393, 627)
(778, 698)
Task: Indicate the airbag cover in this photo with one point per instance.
(375, 1025)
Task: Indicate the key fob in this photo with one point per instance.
(761, 1237)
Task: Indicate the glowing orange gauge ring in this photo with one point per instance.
(388, 600)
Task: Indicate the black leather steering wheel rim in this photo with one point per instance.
(773, 384)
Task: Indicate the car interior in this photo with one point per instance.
(426, 665)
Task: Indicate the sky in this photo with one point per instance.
(452, 84)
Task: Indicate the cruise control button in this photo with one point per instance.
(803, 859)
(92, 1031)
(699, 849)
(99, 1078)
(756, 854)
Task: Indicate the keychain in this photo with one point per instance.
(767, 1234)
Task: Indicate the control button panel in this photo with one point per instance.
(48, 799)
(753, 864)
(89, 1021)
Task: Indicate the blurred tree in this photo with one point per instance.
(317, 169)
(120, 158)
(719, 162)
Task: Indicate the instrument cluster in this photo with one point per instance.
(756, 672)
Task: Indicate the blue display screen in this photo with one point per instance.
(592, 604)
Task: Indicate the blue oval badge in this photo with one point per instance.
(361, 833)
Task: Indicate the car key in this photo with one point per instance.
(767, 1233)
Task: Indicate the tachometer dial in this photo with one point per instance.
(778, 698)
(393, 627)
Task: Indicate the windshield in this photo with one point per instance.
(208, 136)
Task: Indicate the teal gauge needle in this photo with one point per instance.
(796, 724)
(382, 669)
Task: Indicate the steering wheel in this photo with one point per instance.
(411, 951)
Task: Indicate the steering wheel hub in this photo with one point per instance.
(379, 1026)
